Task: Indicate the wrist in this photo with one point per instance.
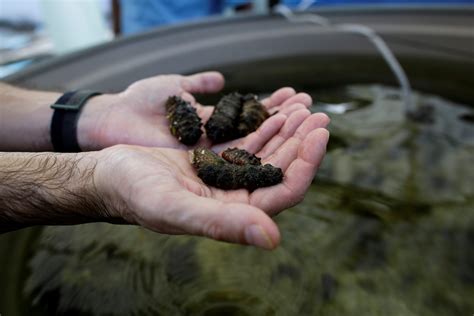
(109, 184)
(92, 124)
(90, 183)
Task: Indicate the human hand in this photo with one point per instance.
(158, 187)
(138, 116)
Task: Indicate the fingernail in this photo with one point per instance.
(255, 235)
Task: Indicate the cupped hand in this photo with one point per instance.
(137, 115)
(158, 187)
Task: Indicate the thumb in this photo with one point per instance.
(231, 222)
(204, 82)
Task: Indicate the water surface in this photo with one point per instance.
(387, 228)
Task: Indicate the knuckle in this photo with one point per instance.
(213, 230)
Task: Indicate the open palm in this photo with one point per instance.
(138, 116)
(160, 190)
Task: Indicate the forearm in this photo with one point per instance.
(49, 189)
(25, 118)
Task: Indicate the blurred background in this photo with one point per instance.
(386, 228)
(34, 30)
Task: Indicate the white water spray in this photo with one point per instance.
(366, 31)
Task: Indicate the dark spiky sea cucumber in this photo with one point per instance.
(185, 124)
(252, 116)
(222, 124)
(220, 173)
(240, 157)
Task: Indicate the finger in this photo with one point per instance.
(204, 82)
(204, 112)
(188, 97)
(253, 142)
(302, 98)
(287, 110)
(231, 222)
(284, 156)
(298, 176)
(288, 129)
(278, 97)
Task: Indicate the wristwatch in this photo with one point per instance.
(64, 123)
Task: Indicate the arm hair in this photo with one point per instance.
(48, 188)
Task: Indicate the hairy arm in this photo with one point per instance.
(158, 188)
(48, 188)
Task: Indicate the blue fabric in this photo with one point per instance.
(139, 15)
(394, 2)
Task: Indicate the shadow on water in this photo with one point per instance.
(386, 229)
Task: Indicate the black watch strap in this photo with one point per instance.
(64, 123)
